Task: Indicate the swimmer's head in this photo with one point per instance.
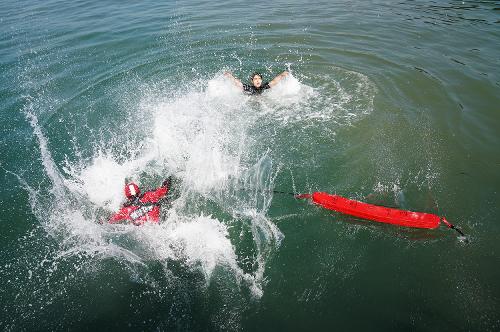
(256, 79)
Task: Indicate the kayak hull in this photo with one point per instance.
(376, 213)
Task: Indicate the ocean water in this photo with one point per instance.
(393, 103)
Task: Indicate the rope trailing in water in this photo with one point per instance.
(450, 225)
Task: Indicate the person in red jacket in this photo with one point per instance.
(138, 208)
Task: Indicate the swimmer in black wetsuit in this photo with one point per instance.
(257, 87)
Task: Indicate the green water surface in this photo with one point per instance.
(419, 130)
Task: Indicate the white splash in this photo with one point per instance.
(207, 138)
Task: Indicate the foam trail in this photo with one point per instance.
(47, 161)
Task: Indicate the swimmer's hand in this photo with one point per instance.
(278, 78)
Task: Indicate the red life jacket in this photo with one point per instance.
(142, 209)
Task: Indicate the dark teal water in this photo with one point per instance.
(389, 103)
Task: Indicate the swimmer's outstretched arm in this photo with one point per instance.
(236, 81)
(278, 78)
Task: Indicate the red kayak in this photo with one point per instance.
(377, 213)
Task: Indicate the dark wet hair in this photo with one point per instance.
(254, 74)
